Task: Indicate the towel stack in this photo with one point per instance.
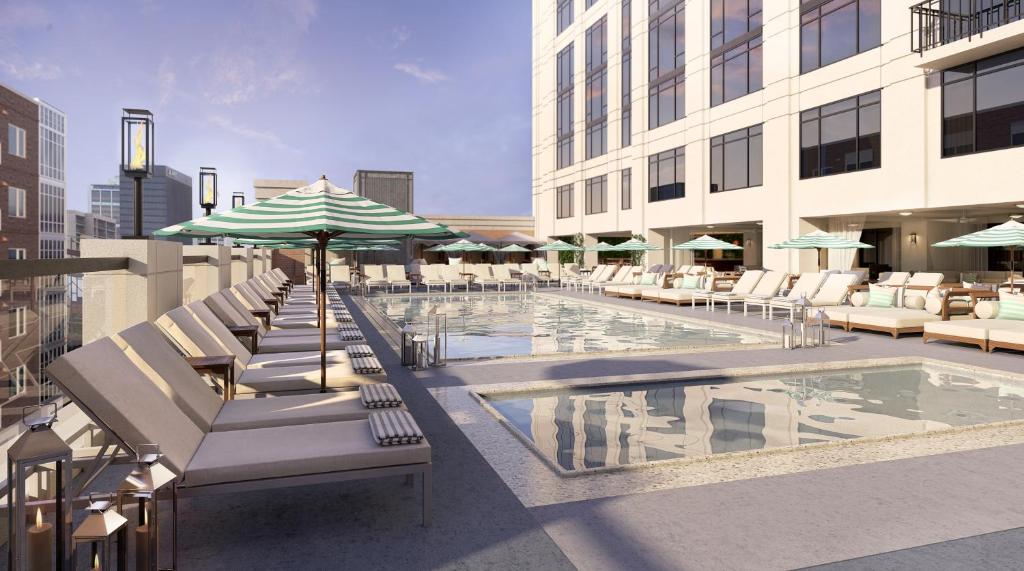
(393, 427)
(359, 351)
(350, 333)
(383, 395)
(366, 365)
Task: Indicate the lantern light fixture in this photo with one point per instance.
(237, 199)
(137, 156)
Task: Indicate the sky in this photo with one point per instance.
(290, 89)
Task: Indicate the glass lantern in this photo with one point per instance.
(143, 485)
(237, 199)
(137, 143)
(40, 545)
(98, 532)
(207, 189)
(408, 357)
(824, 324)
(788, 335)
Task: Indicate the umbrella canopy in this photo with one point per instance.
(600, 247)
(1009, 234)
(706, 243)
(465, 246)
(634, 245)
(320, 208)
(558, 246)
(513, 248)
(819, 240)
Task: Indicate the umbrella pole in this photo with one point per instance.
(322, 311)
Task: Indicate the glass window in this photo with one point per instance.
(597, 89)
(843, 136)
(837, 29)
(564, 111)
(667, 62)
(736, 159)
(16, 202)
(17, 322)
(563, 201)
(627, 79)
(733, 19)
(983, 105)
(626, 190)
(736, 71)
(667, 175)
(596, 194)
(16, 141)
(564, 15)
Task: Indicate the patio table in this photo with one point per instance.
(217, 365)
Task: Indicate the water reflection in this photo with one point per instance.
(591, 428)
(497, 325)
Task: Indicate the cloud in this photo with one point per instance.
(425, 75)
(166, 81)
(400, 35)
(34, 70)
(267, 137)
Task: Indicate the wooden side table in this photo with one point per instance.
(250, 331)
(217, 365)
(263, 314)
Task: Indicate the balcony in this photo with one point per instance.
(936, 23)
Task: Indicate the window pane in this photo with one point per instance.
(755, 70)
(735, 163)
(735, 19)
(756, 161)
(809, 149)
(870, 24)
(735, 77)
(666, 111)
(809, 46)
(958, 118)
(839, 142)
(716, 169)
(839, 34)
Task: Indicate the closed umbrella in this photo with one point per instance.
(706, 243)
(819, 240)
(321, 211)
(558, 246)
(1009, 234)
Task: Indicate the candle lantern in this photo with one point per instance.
(408, 357)
(97, 534)
(421, 355)
(804, 307)
(43, 544)
(143, 485)
(824, 329)
(208, 191)
(788, 335)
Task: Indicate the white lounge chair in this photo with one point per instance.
(742, 288)
(396, 277)
(623, 275)
(806, 286)
(373, 276)
(767, 287)
(833, 292)
(430, 276)
(454, 278)
(482, 277)
(504, 276)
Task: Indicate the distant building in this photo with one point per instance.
(166, 200)
(87, 225)
(393, 188)
(264, 188)
(104, 200)
(52, 290)
(291, 262)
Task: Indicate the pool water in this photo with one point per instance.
(602, 427)
(527, 324)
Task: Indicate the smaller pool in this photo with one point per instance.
(604, 427)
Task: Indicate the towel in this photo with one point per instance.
(366, 365)
(350, 333)
(359, 351)
(391, 427)
(383, 395)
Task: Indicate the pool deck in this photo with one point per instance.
(950, 510)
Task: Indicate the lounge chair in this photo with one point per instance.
(919, 284)
(989, 331)
(682, 290)
(601, 273)
(532, 273)
(430, 276)
(505, 279)
(133, 411)
(396, 277)
(341, 275)
(373, 276)
(833, 292)
(892, 319)
(742, 288)
(647, 281)
(453, 278)
(806, 286)
(483, 278)
(767, 288)
(622, 276)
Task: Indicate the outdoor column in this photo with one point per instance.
(260, 263)
(589, 258)
(117, 299)
(209, 276)
(241, 265)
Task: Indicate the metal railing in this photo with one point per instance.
(936, 23)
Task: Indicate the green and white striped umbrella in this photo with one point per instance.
(818, 240)
(465, 246)
(558, 246)
(634, 245)
(514, 248)
(706, 243)
(1009, 234)
(320, 209)
(600, 247)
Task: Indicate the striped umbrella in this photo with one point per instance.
(600, 247)
(321, 211)
(1009, 234)
(706, 243)
(634, 245)
(558, 246)
(514, 249)
(819, 240)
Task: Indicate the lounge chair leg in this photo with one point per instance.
(427, 508)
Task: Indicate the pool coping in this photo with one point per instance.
(766, 340)
(537, 480)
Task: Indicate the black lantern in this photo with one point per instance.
(137, 152)
(35, 547)
(208, 191)
(237, 199)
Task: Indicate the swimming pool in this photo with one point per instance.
(530, 324)
(592, 428)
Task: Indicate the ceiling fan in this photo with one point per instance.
(963, 219)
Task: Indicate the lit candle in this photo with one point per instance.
(142, 543)
(40, 544)
(96, 561)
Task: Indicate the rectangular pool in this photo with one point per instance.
(613, 426)
(529, 324)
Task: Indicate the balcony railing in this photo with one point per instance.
(936, 23)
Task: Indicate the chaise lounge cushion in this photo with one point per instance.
(290, 410)
(970, 328)
(280, 452)
(891, 317)
(284, 379)
(292, 344)
(1007, 333)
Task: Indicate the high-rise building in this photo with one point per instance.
(104, 200)
(264, 188)
(758, 121)
(87, 225)
(393, 188)
(53, 290)
(166, 200)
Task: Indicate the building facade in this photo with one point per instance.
(393, 188)
(104, 200)
(759, 121)
(166, 200)
(87, 225)
(52, 290)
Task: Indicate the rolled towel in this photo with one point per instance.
(359, 351)
(366, 365)
(383, 395)
(350, 333)
(393, 427)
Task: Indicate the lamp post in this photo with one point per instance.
(237, 199)
(208, 192)
(137, 156)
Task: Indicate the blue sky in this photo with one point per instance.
(291, 89)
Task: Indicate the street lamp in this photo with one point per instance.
(237, 199)
(137, 155)
(208, 191)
